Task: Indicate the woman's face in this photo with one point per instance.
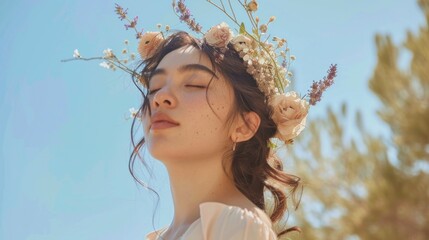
(178, 89)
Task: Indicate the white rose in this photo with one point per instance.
(241, 42)
(219, 36)
(290, 114)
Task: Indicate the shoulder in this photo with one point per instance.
(221, 221)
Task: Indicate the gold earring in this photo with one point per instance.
(235, 144)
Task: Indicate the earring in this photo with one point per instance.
(235, 144)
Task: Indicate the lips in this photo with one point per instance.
(162, 121)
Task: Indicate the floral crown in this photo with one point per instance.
(267, 61)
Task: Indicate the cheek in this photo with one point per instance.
(202, 118)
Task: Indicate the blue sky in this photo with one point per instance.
(64, 136)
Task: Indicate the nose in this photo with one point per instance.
(164, 98)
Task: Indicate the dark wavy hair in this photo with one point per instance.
(252, 169)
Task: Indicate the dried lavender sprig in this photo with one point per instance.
(185, 16)
(121, 12)
(132, 23)
(317, 88)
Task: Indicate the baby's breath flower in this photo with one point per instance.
(252, 6)
(125, 61)
(105, 65)
(256, 19)
(133, 112)
(132, 56)
(272, 18)
(158, 25)
(292, 57)
(126, 42)
(124, 51)
(167, 28)
(108, 53)
(76, 53)
(263, 28)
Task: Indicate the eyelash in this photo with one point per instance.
(155, 90)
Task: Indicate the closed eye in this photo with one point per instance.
(197, 86)
(152, 91)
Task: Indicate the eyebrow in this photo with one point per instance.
(185, 68)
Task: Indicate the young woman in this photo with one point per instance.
(210, 109)
(209, 124)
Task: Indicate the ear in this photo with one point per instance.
(241, 132)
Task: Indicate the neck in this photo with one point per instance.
(195, 182)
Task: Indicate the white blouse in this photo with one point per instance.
(219, 221)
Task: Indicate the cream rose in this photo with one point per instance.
(241, 42)
(148, 44)
(219, 36)
(290, 113)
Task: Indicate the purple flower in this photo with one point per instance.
(185, 16)
(132, 24)
(317, 88)
(121, 12)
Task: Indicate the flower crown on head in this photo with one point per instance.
(267, 61)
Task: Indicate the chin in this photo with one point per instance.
(168, 155)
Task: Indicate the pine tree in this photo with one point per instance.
(354, 189)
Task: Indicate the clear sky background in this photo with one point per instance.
(64, 137)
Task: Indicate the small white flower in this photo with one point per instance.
(105, 65)
(126, 42)
(76, 53)
(263, 28)
(133, 112)
(132, 56)
(124, 51)
(108, 53)
(292, 57)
